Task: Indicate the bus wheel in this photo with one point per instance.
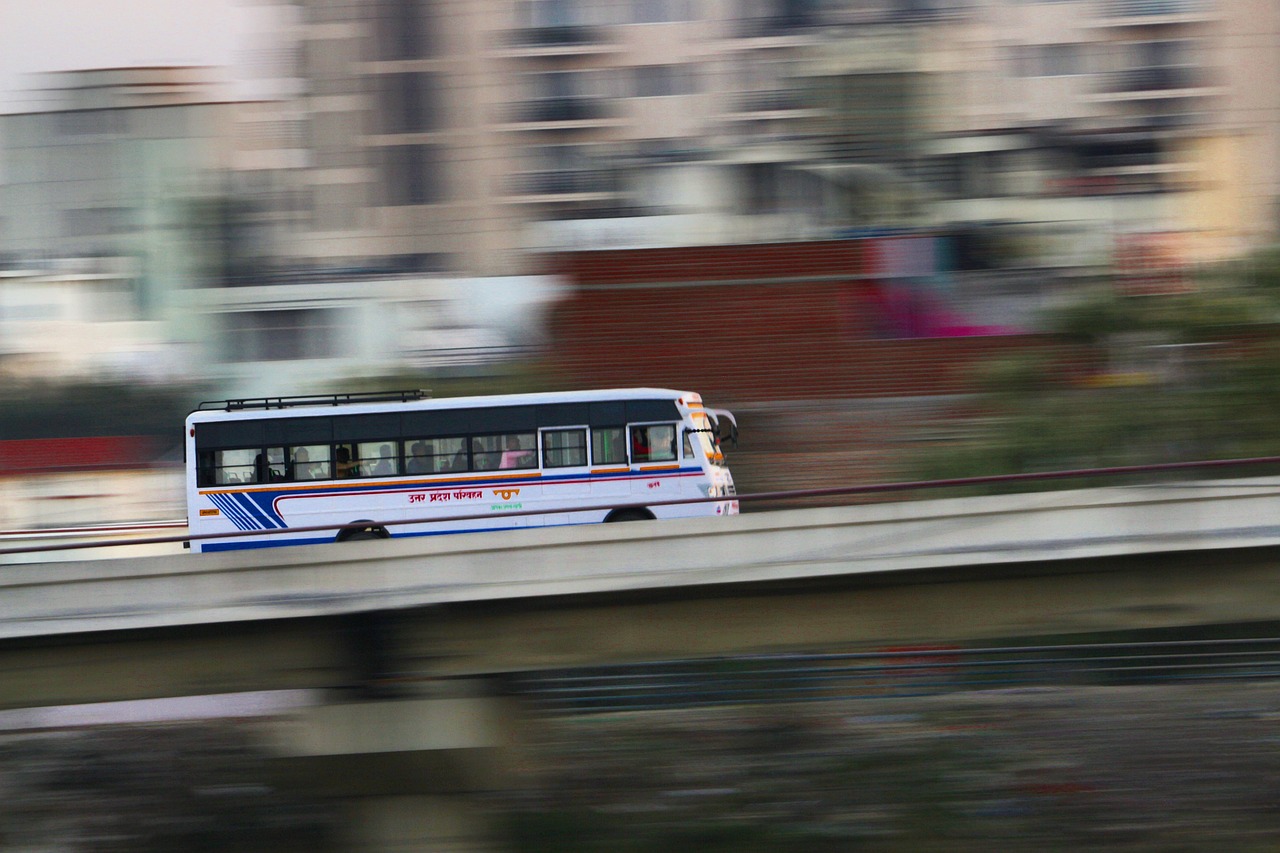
(629, 515)
(364, 535)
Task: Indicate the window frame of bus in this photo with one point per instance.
(366, 465)
(621, 438)
(674, 443)
(581, 430)
(435, 461)
(527, 452)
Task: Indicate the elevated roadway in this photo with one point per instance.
(953, 569)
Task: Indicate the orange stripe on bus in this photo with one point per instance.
(610, 470)
(661, 468)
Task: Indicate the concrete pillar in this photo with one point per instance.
(404, 772)
(419, 824)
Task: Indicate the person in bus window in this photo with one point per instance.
(640, 444)
(515, 456)
(302, 467)
(345, 467)
(385, 466)
(417, 463)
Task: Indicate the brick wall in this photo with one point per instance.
(791, 321)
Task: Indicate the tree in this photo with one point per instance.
(1135, 380)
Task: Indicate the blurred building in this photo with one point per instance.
(133, 163)
(456, 136)
(82, 319)
(271, 339)
(1086, 119)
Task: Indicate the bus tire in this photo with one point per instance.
(366, 534)
(629, 515)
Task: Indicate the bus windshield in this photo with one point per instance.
(710, 446)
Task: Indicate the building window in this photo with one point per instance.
(404, 30)
(97, 221)
(93, 122)
(1059, 60)
(410, 103)
(412, 174)
(657, 81)
(280, 335)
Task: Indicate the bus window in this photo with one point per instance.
(688, 445)
(450, 455)
(608, 446)
(233, 466)
(513, 450)
(206, 468)
(345, 463)
(378, 458)
(564, 448)
(276, 466)
(311, 462)
(656, 443)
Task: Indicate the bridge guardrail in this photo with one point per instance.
(773, 496)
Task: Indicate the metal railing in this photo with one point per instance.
(890, 673)
(1146, 8)
(757, 497)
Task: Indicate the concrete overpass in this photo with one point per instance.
(401, 643)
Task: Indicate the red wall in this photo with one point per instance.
(762, 322)
(53, 455)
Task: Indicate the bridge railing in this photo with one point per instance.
(891, 672)
(76, 542)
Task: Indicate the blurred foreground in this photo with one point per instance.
(1159, 768)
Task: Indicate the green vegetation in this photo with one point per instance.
(78, 409)
(1134, 380)
(506, 378)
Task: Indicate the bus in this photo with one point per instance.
(258, 468)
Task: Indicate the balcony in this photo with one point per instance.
(562, 40)
(565, 185)
(1157, 82)
(1145, 13)
(561, 113)
(783, 103)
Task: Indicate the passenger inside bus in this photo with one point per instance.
(385, 466)
(417, 463)
(639, 444)
(345, 467)
(302, 467)
(516, 456)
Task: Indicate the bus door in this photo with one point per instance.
(653, 459)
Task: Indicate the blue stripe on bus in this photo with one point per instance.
(254, 512)
(255, 502)
(228, 506)
(274, 542)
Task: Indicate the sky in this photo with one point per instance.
(53, 35)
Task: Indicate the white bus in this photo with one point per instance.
(449, 465)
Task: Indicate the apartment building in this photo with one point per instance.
(126, 163)
(1097, 118)
(460, 135)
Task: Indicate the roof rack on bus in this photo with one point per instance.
(316, 400)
